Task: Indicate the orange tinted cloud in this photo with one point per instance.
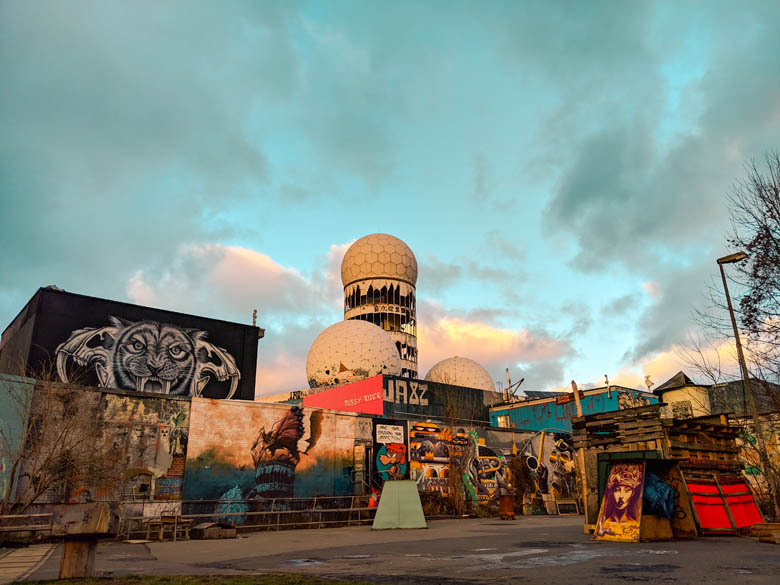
(483, 343)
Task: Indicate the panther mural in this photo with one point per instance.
(148, 356)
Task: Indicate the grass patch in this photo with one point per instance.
(278, 579)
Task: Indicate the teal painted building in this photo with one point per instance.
(552, 411)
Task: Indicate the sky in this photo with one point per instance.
(560, 169)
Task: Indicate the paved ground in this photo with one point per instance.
(18, 564)
(535, 550)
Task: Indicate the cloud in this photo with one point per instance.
(443, 334)
(619, 306)
(229, 281)
(648, 184)
(124, 130)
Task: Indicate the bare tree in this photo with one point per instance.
(755, 213)
(754, 206)
(52, 442)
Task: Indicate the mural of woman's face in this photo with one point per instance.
(622, 495)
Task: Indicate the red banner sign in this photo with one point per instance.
(364, 396)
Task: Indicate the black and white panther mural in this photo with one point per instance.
(148, 356)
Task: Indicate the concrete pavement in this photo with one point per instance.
(18, 564)
(538, 549)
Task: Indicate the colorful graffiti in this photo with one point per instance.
(255, 450)
(390, 446)
(550, 457)
(621, 508)
(443, 459)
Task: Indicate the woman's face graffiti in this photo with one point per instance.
(622, 495)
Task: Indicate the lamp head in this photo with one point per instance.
(731, 258)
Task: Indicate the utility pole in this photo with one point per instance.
(755, 415)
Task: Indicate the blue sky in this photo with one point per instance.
(559, 169)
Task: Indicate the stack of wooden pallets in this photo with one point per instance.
(635, 429)
(766, 532)
(702, 445)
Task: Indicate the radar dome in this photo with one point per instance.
(460, 371)
(349, 351)
(377, 256)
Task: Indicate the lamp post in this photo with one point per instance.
(730, 259)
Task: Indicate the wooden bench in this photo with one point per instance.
(177, 524)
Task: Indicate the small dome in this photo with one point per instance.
(377, 256)
(460, 371)
(349, 351)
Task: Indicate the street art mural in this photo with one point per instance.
(150, 436)
(101, 343)
(390, 448)
(628, 399)
(244, 451)
(550, 457)
(437, 452)
(621, 508)
(148, 356)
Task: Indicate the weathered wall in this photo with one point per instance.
(555, 414)
(249, 450)
(151, 434)
(15, 392)
(687, 402)
(129, 445)
(404, 398)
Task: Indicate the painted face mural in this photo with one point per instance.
(621, 507)
(148, 356)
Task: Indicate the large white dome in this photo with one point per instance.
(349, 351)
(378, 256)
(460, 371)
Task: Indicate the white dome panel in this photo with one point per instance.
(460, 371)
(377, 256)
(349, 351)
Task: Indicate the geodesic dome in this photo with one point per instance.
(378, 256)
(460, 371)
(349, 351)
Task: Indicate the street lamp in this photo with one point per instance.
(730, 259)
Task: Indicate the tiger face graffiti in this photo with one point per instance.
(155, 357)
(148, 356)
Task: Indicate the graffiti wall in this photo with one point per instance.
(96, 342)
(403, 397)
(555, 414)
(151, 435)
(390, 451)
(749, 454)
(254, 450)
(549, 458)
(443, 459)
